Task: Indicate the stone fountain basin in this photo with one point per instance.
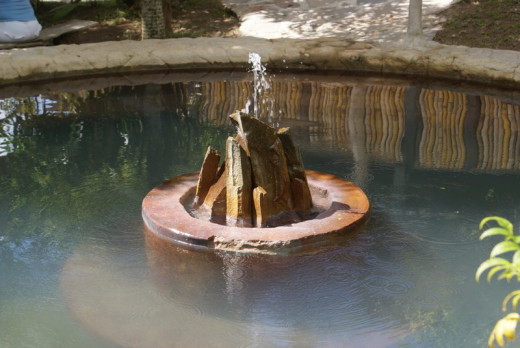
(342, 207)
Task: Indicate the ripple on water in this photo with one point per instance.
(377, 283)
(133, 313)
(339, 293)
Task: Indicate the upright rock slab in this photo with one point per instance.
(207, 174)
(301, 193)
(216, 198)
(260, 204)
(262, 182)
(268, 162)
(239, 186)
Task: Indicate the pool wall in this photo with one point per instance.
(460, 63)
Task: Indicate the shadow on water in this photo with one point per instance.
(351, 291)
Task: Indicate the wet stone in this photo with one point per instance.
(267, 161)
(216, 197)
(292, 155)
(207, 176)
(238, 185)
(301, 194)
(260, 205)
(262, 182)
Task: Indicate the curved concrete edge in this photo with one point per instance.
(496, 67)
(345, 207)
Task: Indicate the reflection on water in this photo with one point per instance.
(75, 166)
(452, 130)
(318, 298)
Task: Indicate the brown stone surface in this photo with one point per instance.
(301, 195)
(239, 185)
(220, 171)
(260, 205)
(267, 161)
(218, 209)
(343, 207)
(216, 198)
(260, 157)
(208, 174)
(292, 155)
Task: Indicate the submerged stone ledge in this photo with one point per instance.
(497, 67)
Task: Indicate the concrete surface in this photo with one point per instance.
(366, 20)
(422, 59)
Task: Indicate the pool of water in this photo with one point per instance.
(77, 267)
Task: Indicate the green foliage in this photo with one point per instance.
(61, 11)
(504, 269)
(107, 12)
(504, 328)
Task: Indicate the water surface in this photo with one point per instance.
(78, 269)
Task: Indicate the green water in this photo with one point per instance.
(77, 270)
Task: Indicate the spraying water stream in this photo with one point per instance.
(261, 87)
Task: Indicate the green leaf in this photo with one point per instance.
(504, 247)
(504, 328)
(495, 231)
(496, 261)
(62, 10)
(500, 221)
(495, 270)
(515, 296)
(516, 259)
(514, 302)
(507, 274)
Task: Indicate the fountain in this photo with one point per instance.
(261, 85)
(85, 258)
(261, 199)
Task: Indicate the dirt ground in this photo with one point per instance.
(198, 18)
(474, 23)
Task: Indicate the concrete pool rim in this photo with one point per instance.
(431, 60)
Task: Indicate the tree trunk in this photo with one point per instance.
(167, 12)
(153, 20)
(414, 19)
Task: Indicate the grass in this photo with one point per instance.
(483, 23)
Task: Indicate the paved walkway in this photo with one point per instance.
(361, 20)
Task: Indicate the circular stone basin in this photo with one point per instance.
(342, 205)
